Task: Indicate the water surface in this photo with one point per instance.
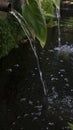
(23, 105)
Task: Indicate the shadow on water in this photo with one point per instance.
(22, 102)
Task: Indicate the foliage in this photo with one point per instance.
(32, 22)
(8, 34)
(50, 8)
(35, 20)
(71, 125)
(15, 28)
(57, 4)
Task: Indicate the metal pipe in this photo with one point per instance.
(5, 6)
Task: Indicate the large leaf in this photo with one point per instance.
(49, 12)
(57, 4)
(48, 8)
(34, 17)
(71, 125)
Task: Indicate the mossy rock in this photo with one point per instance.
(10, 34)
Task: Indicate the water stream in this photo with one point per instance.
(62, 50)
(16, 15)
(59, 32)
(39, 69)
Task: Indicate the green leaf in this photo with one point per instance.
(48, 8)
(49, 12)
(71, 125)
(35, 20)
(57, 4)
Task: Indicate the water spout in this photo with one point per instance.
(59, 32)
(5, 6)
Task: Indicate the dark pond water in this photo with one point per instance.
(23, 105)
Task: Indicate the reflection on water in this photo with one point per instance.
(22, 102)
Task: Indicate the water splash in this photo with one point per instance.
(26, 30)
(64, 50)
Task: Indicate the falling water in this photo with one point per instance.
(19, 17)
(63, 50)
(40, 72)
(59, 32)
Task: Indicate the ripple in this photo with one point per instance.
(67, 101)
(26, 114)
(51, 50)
(35, 118)
(22, 99)
(61, 118)
(51, 123)
(14, 123)
(66, 79)
(61, 61)
(17, 65)
(18, 117)
(39, 107)
(21, 128)
(38, 114)
(47, 58)
(62, 70)
(71, 90)
(62, 75)
(67, 85)
(9, 70)
(66, 128)
(30, 102)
